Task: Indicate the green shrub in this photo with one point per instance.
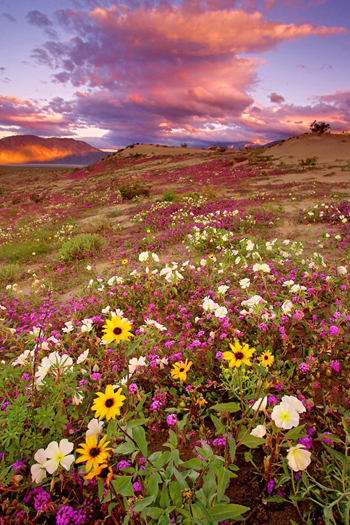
(130, 190)
(80, 246)
(309, 161)
(9, 273)
(168, 196)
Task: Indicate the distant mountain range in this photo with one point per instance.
(26, 149)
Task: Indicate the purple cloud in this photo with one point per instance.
(276, 99)
(38, 19)
(9, 17)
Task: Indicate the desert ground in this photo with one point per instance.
(204, 294)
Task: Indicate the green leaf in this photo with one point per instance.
(225, 512)
(152, 485)
(162, 460)
(226, 407)
(344, 460)
(125, 448)
(142, 503)
(195, 464)
(232, 445)
(209, 484)
(164, 497)
(136, 422)
(100, 488)
(220, 427)
(175, 492)
(112, 425)
(295, 433)
(333, 437)
(153, 512)
(139, 436)
(122, 485)
(180, 479)
(203, 512)
(252, 441)
(172, 438)
(223, 476)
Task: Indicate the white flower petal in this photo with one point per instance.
(67, 461)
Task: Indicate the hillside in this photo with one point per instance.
(327, 148)
(22, 149)
(225, 276)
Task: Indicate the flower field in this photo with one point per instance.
(175, 342)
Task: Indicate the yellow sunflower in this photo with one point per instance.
(103, 471)
(266, 359)
(117, 329)
(93, 452)
(125, 261)
(180, 370)
(108, 404)
(240, 354)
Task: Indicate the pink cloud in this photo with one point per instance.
(166, 73)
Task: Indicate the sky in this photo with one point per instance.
(201, 72)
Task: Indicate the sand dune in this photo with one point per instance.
(327, 148)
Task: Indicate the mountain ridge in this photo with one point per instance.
(26, 149)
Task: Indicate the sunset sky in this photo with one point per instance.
(157, 71)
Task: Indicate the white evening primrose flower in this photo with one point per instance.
(134, 363)
(259, 431)
(105, 310)
(253, 301)
(342, 270)
(24, 358)
(95, 427)
(58, 454)
(203, 262)
(86, 325)
(88, 267)
(298, 458)
(287, 306)
(260, 404)
(143, 256)
(295, 403)
(244, 283)
(77, 398)
(118, 313)
(208, 304)
(82, 357)
(250, 245)
(38, 471)
(288, 283)
(222, 288)
(220, 312)
(155, 257)
(42, 370)
(69, 326)
(285, 416)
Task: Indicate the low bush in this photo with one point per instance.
(80, 246)
(131, 190)
(9, 273)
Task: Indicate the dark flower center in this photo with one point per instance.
(94, 452)
(104, 472)
(181, 369)
(117, 330)
(266, 357)
(239, 355)
(109, 403)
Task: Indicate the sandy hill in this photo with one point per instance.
(155, 150)
(30, 148)
(327, 148)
